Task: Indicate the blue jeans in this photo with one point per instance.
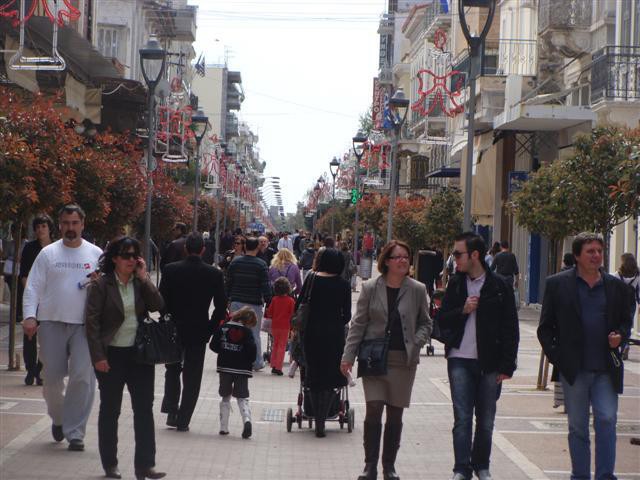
(472, 390)
(259, 362)
(595, 390)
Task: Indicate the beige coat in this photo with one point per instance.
(372, 314)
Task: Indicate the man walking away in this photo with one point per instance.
(585, 319)
(55, 294)
(506, 264)
(188, 286)
(175, 250)
(479, 322)
(248, 286)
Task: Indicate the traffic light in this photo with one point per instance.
(355, 196)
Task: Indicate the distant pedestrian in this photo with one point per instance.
(175, 250)
(479, 321)
(280, 311)
(493, 251)
(116, 301)
(56, 295)
(585, 320)
(328, 242)
(284, 265)
(350, 267)
(237, 251)
(568, 261)
(324, 334)
(306, 259)
(209, 255)
(505, 264)
(234, 343)
(188, 287)
(265, 252)
(394, 306)
(285, 242)
(226, 241)
(43, 227)
(247, 285)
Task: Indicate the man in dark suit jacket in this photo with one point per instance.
(175, 250)
(585, 318)
(188, 286)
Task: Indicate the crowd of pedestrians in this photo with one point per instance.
(86, 306)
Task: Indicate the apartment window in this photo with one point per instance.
(108, 41)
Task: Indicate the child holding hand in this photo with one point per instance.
(280, 311)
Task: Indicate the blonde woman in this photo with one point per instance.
(284, 264)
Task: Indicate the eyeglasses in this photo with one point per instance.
(128, 255)
(239, 243)
(458, 254)
(399, 257)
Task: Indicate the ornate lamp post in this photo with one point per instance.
(358, 150)
(400, 106)
(475, 50)
(200, 123)
(152, 62)
(334, 166)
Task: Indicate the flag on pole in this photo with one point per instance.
(200, 66)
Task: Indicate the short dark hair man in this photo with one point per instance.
(505, 263)
(585, 319)
(175, 250)
(265, 252)
(188, 286)
(248, 286)
(481, 346)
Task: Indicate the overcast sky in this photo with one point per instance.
(307, 70)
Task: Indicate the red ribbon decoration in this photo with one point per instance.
(439, 86)
(9, 9)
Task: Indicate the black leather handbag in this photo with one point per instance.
(373, 353)
(157, 342)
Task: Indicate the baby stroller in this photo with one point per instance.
(266, 355)
(339, 409)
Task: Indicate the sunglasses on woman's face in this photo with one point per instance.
(128, 256)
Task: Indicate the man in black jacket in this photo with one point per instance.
(479, 323)
(175, 250)
(585, 318)
(188, 286)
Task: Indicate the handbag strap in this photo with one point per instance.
(307, 293)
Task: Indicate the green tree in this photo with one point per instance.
(444, 220)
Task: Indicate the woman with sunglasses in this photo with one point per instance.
(116, 301)
(393, 306)
(237, 251)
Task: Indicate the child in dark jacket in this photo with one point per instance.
(236, 349)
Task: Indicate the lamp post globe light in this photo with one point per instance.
(400, 106)
(358, 142)
(152, 62)
(200, 123)
(476, 44)
(334, 166)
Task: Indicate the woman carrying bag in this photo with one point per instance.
(389, 328)
(116, 301)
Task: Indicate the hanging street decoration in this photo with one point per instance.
(9, 9)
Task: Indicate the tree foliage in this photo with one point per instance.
(443, 219)
(409, 222)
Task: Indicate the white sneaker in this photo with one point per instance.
(225, 411)
(484, 475)
(458, 476)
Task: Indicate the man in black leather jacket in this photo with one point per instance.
(478, 321)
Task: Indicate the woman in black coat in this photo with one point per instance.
(324, 333)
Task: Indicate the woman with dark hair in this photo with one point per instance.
(116, 302)
(323, 337)
(630, 275)
(395, 307)
(238, 250)
(43, 227)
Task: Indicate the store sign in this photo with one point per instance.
(516, 178)
(378, 105)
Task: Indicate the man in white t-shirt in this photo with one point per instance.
(55, 295)
(285, 242)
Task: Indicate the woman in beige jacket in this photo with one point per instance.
(396, 304)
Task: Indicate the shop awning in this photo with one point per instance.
(444, 172)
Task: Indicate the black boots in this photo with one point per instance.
(321, 401)
(371, 438)
(392, 434)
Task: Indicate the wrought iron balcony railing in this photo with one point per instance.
(517, 57)
(436, 11)
(615, 74)
(564, 14)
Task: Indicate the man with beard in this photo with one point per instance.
(265, 252)
(55, 294)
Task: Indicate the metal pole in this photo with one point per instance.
(333, 208)
(468, 178)
(196, 190)
(393, 183)
(147, 213)
(217, 239)
(356, 223)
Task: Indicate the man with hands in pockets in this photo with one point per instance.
(478, 322)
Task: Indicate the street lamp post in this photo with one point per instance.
(334, 166)
(358, 150)
(152, 61)
(399, 106)
(475, 49)
(200, 123)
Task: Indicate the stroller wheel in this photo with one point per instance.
(299, 420)
(341, 421)
(289, 419)
(351, 421)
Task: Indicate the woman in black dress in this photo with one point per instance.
(324, 334)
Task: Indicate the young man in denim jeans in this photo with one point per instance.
(478, 321)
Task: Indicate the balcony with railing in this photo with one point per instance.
(517, 57)
(386, 25)
(615, 74)
(437, 16)
(564, 14)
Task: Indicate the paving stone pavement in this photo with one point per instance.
(529, 441)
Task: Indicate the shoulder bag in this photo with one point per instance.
(373, 353)
(301, 315)
(157, 342)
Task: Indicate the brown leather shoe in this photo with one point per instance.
(149, 473)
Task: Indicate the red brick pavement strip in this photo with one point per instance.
(523, 448)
